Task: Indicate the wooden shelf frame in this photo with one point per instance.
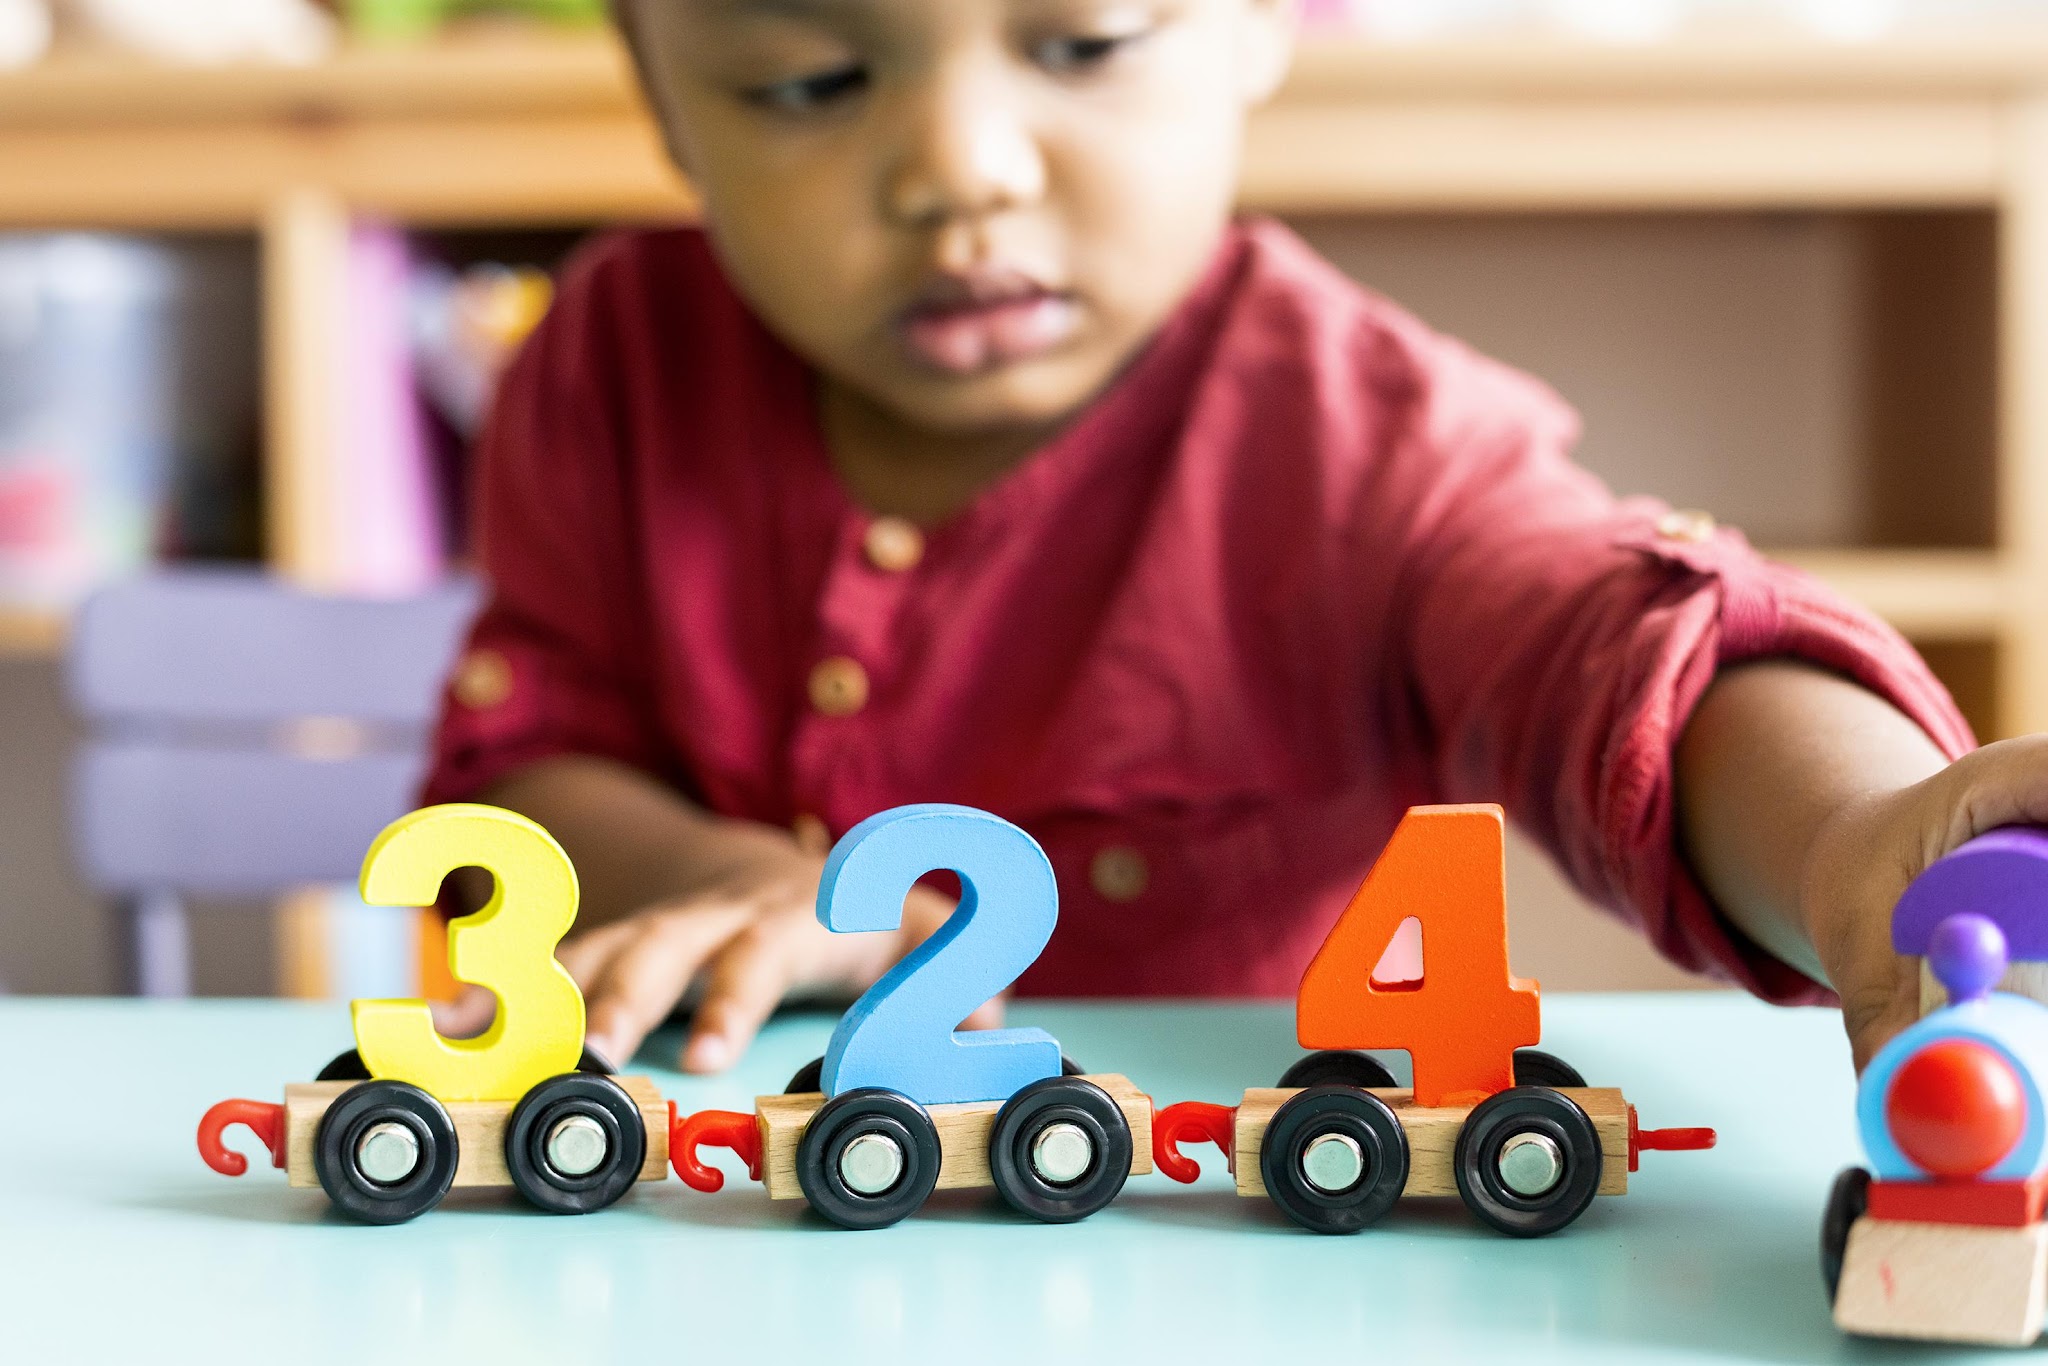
(30, 633)
(1930, 595)
(507, 128)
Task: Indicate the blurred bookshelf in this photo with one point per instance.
(1939, 142)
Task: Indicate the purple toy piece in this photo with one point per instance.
(2002, 876)
(1967, 953)
(203, 690)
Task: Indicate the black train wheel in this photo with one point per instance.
(385, 1152)
(1337, 1067)
(345, 1067)
(1534, 1067)
(868, 1158)
(1060, 1150)
(1848, 1201)
(575, 1143)
(1334, 1159)
(594, 1063)
(1527, 1161)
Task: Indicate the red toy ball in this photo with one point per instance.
(1956, 1108)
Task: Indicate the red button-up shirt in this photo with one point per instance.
(1304, 565)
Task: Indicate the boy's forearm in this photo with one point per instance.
(1773, 751)
(635, 841)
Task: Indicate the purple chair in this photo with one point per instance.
(245, 738)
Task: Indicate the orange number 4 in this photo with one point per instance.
(1445, 868)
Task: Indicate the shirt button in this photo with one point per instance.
(893, 545)
(483, 679)
(1119, 873)
(839, 686)
(813, 836)
(1686, 524)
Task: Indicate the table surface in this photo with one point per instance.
(116, 1243)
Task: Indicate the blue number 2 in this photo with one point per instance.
(901, 1033)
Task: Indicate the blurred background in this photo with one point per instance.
(262, 260)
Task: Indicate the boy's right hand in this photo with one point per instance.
(749, 933)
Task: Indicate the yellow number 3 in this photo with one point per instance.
(508, 947)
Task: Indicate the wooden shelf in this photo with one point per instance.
(1991, 59)
(1946, 595)
(517, 69)
(519, 125)
(499, 128)
(472, 71)
(30, 633)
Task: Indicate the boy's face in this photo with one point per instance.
(972, 213)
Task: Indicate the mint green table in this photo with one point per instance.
(117, 1244)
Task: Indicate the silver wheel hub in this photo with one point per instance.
(871, 1164)
(1333, 1163)
(577, 1146)
(1062, 1153)
(387, 1152)
(1530, 1164)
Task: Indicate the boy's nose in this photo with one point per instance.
(967, 152)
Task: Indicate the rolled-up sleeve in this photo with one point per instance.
(556, 663)
(1560, 639)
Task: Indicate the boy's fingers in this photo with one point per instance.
(649, 974)
(988, 1016)
(587, 955)
(1872, 1013)
(467, 1016)
(743, 985)
(923, 912)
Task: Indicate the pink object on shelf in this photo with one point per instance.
(384, 536)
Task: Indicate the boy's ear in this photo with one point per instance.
(1271, 26)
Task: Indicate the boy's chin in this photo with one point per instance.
(1028, 394)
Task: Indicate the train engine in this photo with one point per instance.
(1942, 1236)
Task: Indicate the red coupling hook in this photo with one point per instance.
(263, 1119)
(1192, 1121)
(1642, 1140)
(711, 1129)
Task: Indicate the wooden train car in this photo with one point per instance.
(901, 1105)
(1059, 1149)
(387, 1151)
(1336, 1156)
(390, 1127)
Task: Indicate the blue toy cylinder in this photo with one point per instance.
(2013, 1027)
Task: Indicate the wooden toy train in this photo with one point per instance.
(901, 1105)
(1943, 1237)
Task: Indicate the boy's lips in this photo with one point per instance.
(967, 324)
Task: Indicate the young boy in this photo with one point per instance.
(972, 453)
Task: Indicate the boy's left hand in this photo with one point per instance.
(1864, 856)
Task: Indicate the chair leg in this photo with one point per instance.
(158, 951)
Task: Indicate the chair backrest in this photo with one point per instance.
(246, 736)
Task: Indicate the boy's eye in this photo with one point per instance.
(1082, 52)
(807, 94)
